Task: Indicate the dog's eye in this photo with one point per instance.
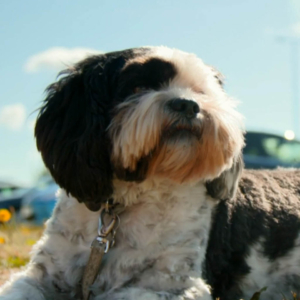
(139, 89)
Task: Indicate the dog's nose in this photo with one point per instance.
(188, 108)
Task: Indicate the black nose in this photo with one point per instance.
(188, 108)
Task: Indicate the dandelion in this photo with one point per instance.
(2, 240)
(5, 215)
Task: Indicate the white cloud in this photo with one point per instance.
(56, 58)
(13, 116)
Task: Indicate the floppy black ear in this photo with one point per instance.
(225, 186)
(71, 131)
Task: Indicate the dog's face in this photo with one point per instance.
(136, 114)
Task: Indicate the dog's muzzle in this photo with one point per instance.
(185, 112)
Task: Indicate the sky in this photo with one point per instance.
(243, 39)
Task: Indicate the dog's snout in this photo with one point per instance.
(188, 108)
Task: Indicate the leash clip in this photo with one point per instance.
(107, 227)
(106, 233)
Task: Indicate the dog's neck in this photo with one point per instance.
(152, 190)
(164, 231)
(163, 214)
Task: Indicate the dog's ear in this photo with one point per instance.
(225, 186)
(71, 131)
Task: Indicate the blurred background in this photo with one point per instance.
(254, 43)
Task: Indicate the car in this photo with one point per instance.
(11, 196)
(39, 203)
(269, 151)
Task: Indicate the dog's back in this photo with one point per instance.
(254, 240)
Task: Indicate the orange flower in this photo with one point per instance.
(5, 215)
(2, 240)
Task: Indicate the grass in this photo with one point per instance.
(16, 241)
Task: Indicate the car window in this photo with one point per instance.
(285, 151)
(272, 146)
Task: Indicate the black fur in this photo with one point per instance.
(71, 126)
(152, 74)
(138, 175)
(225, 186)
(265, 211)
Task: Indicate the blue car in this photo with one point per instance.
(39, 203)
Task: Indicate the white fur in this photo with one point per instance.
(165, 224)
(271, 274)
(141, 121)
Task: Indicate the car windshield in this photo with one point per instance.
(267, 145)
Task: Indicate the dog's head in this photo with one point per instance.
(136, 114)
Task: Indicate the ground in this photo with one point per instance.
(16, 241)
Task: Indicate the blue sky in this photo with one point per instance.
(238, 37)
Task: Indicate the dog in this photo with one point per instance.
(150, 136)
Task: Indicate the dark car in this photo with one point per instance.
(269, 151)
(11, 196)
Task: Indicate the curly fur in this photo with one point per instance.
(254, 240)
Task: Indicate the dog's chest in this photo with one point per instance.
(161, 241)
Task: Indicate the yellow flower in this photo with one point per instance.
(2, 240)
(5, 215)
